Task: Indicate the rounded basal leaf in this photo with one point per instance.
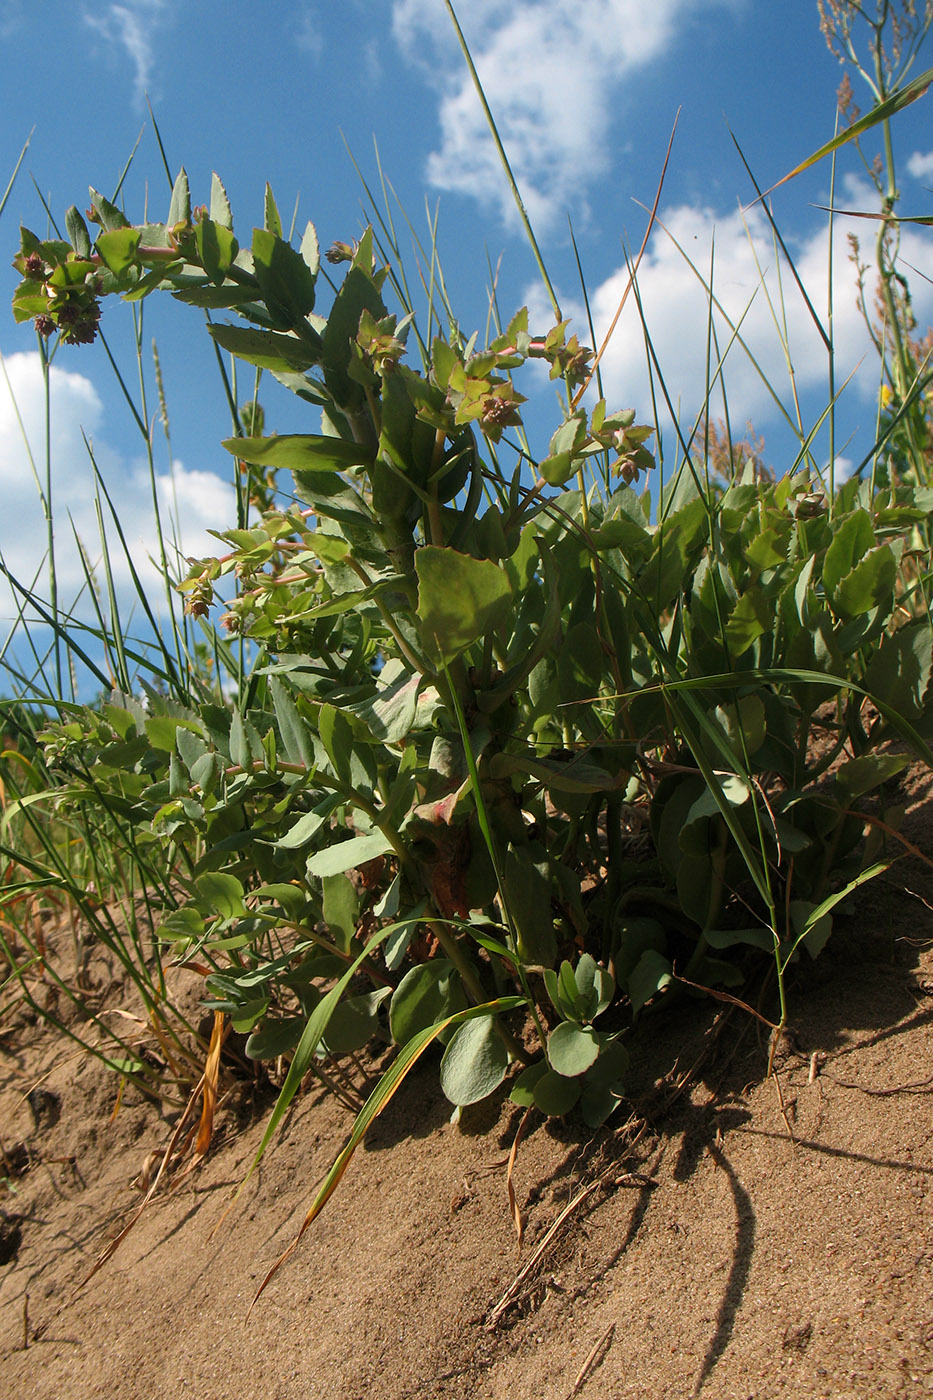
(528, 888)
(716, 972)
(812, 932)
(425, 995)
(474, 1063)
(572, 1048)
(275, 1037)
(696, 887)
(597, 1102)
(552, 983)
(568, 991)
(354, 1022)
(632, 936)
(396, 945)
(744, 722)
(651, 974)
(760, 937)
(670, 807)
(248, 1014)
(603, 1085)
(292, 898)
(220, 893)
(611, 1066)
(185, 924)
(579, 662)
(341, 909)
(523, 1090)
(556, 1095)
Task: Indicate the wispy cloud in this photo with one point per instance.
(194, 500)
(12, 17)
(754, 291)
(131, 28)
(307, 30)
(554, 72)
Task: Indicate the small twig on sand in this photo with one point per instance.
(594, 1359)
(516, 1214)
(514, 1287)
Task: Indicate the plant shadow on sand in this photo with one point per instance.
(762, 1247)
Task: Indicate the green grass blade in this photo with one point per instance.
(378, 1100)
(311, 1039)
(882, 112)
(513, 184)
(12, 180)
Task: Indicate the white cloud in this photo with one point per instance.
(552, 73)
(12, 17)
(132, 28)
(307, 31)
(754, 286)
(190, 500)
(920, 165)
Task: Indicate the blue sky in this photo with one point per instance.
(585, 91)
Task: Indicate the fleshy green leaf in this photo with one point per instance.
(309, 249)
(276, 1036)
(523, 1089)
(179, 210)
(355, 1021)
(285, 279)
(222, 893)
(220, 210)
(426, 994)
(273, 222)
(108, 215)
(555, 1094)
(78, 232)
(572, 1048)
(603, 1085)
(307, 825)
(268, 349)
(300, 452)
(118, 248)
(341, 910)
(347, 855)
(295, 730)
(459, 599)
(752, 615)
(217, 249)
(651, 974)
(868, 584)
(474, 1063)
(851, 541)
(859, 775)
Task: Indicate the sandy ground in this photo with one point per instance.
(720, 1247)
